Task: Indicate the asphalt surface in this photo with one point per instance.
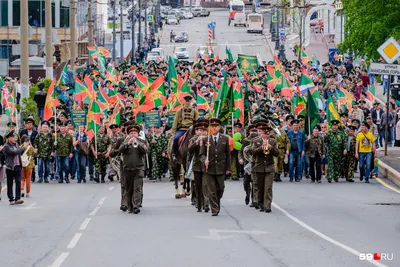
(74, 225)
(237, 39)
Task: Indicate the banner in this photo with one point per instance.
(171, 118)
(78, 118)
(152, 119)
(248, 64)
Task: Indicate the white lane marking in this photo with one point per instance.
(94, 211)
(111, 188)
(101, 201)
(74, 240)
(29, 207)
(60, 259)
(85, 224)
(327, 238)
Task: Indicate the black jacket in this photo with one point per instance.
(33, 136)
(374, 115)
(2, 158)
(40, 98)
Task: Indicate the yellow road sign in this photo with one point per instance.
(390, 50)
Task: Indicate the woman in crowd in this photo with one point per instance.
(27, 166)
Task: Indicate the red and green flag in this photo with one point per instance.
(94, 119)
(305, 82)
(202, 102)
(304, 57)
(51, 101)
(155, 97)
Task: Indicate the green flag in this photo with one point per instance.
(227, 106)
(229, 54)
(313, 116)
(248, 64)
(331, 111)
(172, 75)
(219, 101)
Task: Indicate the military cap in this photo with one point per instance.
(64, 114)
(215, 121)
(128, 123)
(289, 117)
(202, 120)
(260, 124)
(376, 102)
(201, 125)
(113, 126)
(133, 128)
(364, 94)
(294, 122)
(301, 117)
(11, 123)
(251, 127)
(364, 123)
(29, 120)
(276, 121)
(368, 118)
(317, 127)
(355, 120)
(7, 79)
(335, 122)
(238, 124)
(362, 102)
(45, 123)
(10, 134)
(188, 97)
(352, 127)
(68, 122)
(60, 107)
(71, 91)
(344, 114)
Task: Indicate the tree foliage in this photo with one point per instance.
(369, 24)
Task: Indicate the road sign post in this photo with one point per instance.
(390, 52)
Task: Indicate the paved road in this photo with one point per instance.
(238, 40)
(72, 225)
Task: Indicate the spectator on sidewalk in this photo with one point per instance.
(2, 164)
(390, 122)
(397, 141)
(376, 115)
(40, 99)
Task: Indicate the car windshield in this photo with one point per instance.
(237, 8)
(181, 49)
(255, 18)
(182, 34)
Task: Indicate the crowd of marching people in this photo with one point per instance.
(334, 147)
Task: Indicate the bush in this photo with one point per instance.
(29, 107)
(32, 90)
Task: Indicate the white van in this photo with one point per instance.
(239, 19)
(255, 23)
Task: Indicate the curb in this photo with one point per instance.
(389, 172)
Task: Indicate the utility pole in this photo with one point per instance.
(90, 30)
(72, 26)
(140, 26)
(145, 21)
(24, 49)
(121, 38)
(133, 32)
(49, 40)
(114, 36)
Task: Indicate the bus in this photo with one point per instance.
(261, 2)
(235, 6)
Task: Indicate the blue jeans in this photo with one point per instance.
(385, 85)
(305, 163)
(81, 165)
(63, 166)
(178, 135)
(391, 136)
(73, 166)
(294, 162)
(43, 163)
(381, 136)
(365, 158)
(40, 113)
(371, 79)
(90, 162)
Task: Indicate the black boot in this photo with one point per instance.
(111, 178)
(102, 179)
(67, 180)
(97, 178)
(277, 177)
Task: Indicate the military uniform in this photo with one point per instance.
(157, 149)
(219, 158)
(64, 147)
(248, 183)
(103, 141)
(115, 160)
(315, 149)
(117, 156)
(336, 146)
(350, 158)
(182, 122)
(283, 146)
(44, 144)
(265, 170)
(200, 188)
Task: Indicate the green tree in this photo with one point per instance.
(369, 24)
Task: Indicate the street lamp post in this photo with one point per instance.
(140, 26)
(133, 32)
(277, 30)
(114, 33)
(121, 32)
(272, 25)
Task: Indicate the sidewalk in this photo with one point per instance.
(389, 166)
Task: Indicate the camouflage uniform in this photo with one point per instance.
(283, 146)
(63, 149)
(248, 184)
(350, 158)
(103, 141)
(115, 160)
(156, 150)
(44, 145)
(336, 145)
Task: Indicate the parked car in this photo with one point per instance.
(181, 37)
(181, 53)
(204, 12)
(196, 11)
(188, 15)
(171, 20)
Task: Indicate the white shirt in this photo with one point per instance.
(215, 138)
